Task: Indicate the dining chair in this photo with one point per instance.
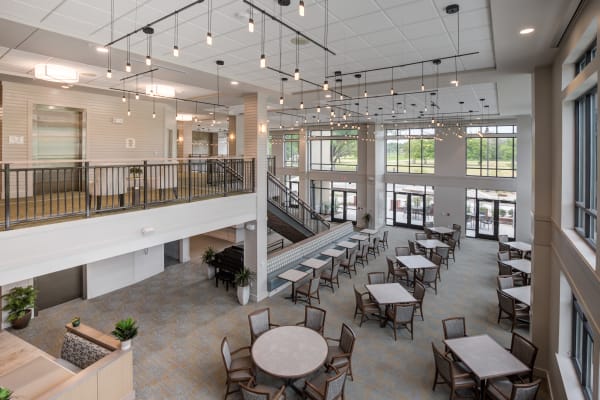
(443, 252)
(402, 251)
(239, 369)
(253, 391)
(505, 281)
(310, 290)
(401, 316)
(429, 277)
(437, 260)
(503, 255)
(349, 264)
(376, 278)
(327, 386)
(526, 352)
(454, 327)
(339, 354)
(373, 247)
(504, 389)
(383, 242)
(516, 313)
(260, 322)
(419, 295)
(331, 276)
(414, 250)
(502, 238)
(452, 249)
(505, 269)
(452, 374)
(363, 306)
(421, 236)
(314, 318)
(457, 227)
(396, 272)
(362, 256)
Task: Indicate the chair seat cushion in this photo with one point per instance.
(319, 382)
(334, 351)
(240, 376)
(241, 362)
(500, 388)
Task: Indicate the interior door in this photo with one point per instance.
(58, 287)
(337, 206)
(417, 210)
(350, 206)
(401, 209)
(487, 219)
(507, 212)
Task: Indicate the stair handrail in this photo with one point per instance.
(295, 198)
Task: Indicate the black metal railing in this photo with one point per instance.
(33, 194)
(271, 160)
(281, 196)
(276, 245)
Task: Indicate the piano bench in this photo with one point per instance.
(226, 277)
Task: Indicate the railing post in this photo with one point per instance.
(145, 184)
(7, 196)
(86, 182)
(253, 175)
(224, 177)
(189, 179)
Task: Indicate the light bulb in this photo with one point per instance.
(129, 113)
(153, 115)
(366, 94)
(404, 110)
(251, 25)
(175, 51)
(392, 91)
(425, 109)
(301, 8)
(148, 61)
(454, 82)
(422, 87)
(109, 73)
(325, 85)
(367, 112)
(263, 61)
(281, 100)
(432, 121)
(296, 74)
(128, 67)
(209, 38)
(393, 111)
(137, 96)
(123, 99)
(318, 109)
(302, 105)
(341, 97)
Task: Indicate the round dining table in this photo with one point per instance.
(289, 352)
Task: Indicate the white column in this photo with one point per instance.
(184, 250)
(255, 146)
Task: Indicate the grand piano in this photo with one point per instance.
(227, 264)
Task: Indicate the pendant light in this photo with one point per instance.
(137, 94)
(128, 105)
(301, 95)
(422, 76)
(209, 38)
(251, 19)
(301, 8)
(148, 46)
(112, 31)
(455, 9)
(297, 70)
(128, 64)
(283, 80)
(392, 88)
(263, 59)
(176, 36)
(325, 34)
(153, 107)
(366, 94)
(123, 99)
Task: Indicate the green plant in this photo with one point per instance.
(18, 301)
(5, 393)
(244, 277)
(209, 255)
(125, 329)
(76, 321)
(367, 218)
(135, 170)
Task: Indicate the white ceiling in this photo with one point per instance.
(365, 34)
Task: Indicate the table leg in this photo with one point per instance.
(293, 294)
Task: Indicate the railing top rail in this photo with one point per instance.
(115, 161)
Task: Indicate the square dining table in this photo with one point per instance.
(442, 230)
(293, 276)
(520, 293)
(347, 245)
(485, 358)
(315, 264)
(415, 262)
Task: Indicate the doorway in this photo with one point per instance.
(343, 206)
(490, 213)
(409, 210)
(58, 287)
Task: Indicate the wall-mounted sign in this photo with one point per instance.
(130, 143)
(16, 139)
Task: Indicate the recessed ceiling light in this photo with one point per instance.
(234, 83)
(526, 31)
(101, 49)
(328, 96)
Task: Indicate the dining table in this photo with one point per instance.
(347, 245)
(315, 264)
(290, 353)
(293, 276)
(387, 294)
(369, 232)
(520, 293)
(415, 262)
(430, 244)
(442, 230)
(485, 358)
(333, 253)
(521, 247)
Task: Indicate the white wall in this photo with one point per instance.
(113, 273)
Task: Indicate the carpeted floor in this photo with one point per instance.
(183, 319)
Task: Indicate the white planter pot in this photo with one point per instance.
(243, 294)
(210, 271)
(126, 344)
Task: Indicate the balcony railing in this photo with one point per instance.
(84, 189)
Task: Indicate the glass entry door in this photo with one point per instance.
(343, 206)
(492, 218)
(409, 209)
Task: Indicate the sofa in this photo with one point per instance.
(78, 353)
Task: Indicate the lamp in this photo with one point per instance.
(128, 64)
(301, 8)
(148, 31)
(263, 59)
(176, 36)
(56, 73)
(209, 38)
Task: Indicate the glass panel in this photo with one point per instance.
(429, 210)
(505, 157)
(428, 156)
(389, 206)
(416, 156)
(473, 156)
(506, 222)
(416, 210)
(470, 218)
(338, 205)
(401, 208)
(403, 155)
(351, 206)
(486, 217)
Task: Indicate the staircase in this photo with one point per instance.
(289, 215)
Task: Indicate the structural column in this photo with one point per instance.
(255, 146)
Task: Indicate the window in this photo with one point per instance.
(585, 58)
(586, 156)
(290, 150)
(292, 182)
(333, 150)
(490, 213)
(582, 349)
(410, 150)
(323, 192)
(492, 151)
(409, 205)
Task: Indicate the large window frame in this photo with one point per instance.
(586, 161)
(291, 150)
(485, 151)
(582, 349)
(410, 150)
(585, 58)
(334, 150)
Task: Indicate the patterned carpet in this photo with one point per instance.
(183, 319)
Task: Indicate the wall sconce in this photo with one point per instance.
(180, 139)
(263, 128)
(232, 136)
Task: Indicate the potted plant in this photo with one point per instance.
(125, 330)
(242, 281)
(367, 219)
(208, 258)
(5, 393)
(76, 321)
(19, 302)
